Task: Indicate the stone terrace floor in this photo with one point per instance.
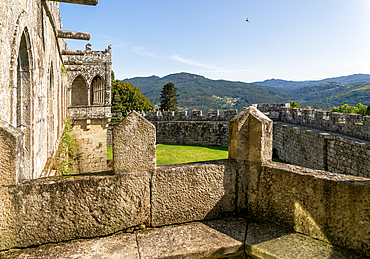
(226, 238)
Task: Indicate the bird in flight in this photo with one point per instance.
(247, 20)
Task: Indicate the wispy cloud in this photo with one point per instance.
(232, 70)
(141, 51)
(192, 62)
(116, 43)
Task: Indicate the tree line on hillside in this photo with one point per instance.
(358, 109)
(198, 92)
(126, 98)
(345, 108)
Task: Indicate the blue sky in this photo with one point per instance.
(285, 39)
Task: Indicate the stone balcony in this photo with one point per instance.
(89, 112)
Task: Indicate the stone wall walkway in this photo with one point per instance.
(226, 238)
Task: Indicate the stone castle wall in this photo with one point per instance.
(354, 125)
(207, 133)
(293, 144)
(195, 129)
(196, 115)
(312, 202)
(320, 150)
(92, 145)
(32, 87)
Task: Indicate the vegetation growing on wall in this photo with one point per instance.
(68, 151)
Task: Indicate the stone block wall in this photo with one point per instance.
(320, 150)
(196, 115)
(28, 33)
(211, 133)
(195, 129)
(351, 157)
(354, 125)
(60, 209)
(300, 146)
(92, 145)
(330, 207)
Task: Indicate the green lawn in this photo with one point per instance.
(180, 154)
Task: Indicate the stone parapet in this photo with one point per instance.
(89, 112)
(191, 192)
(75, 57)
(12, 166)
(354, 125)
(267, 107)
(316, 149)
(57, 209)
(207, 133)
(196, 115)
(134, 144)
(330, 207)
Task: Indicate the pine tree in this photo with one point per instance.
(169, 97)
(116, 110)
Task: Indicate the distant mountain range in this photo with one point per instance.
(198, 92)
(293, 85)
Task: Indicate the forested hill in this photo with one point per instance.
(198, 92)
(293, 85)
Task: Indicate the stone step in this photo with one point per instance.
(209, 239)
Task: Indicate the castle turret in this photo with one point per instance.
(89, 104)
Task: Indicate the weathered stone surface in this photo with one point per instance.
(11, 153)
(55, 210)
(92, 146)
(27, 31)
(208, 133)
(134, 144)
(123, 246)
(250, 144)
(73, 35)
(331, 207)
(316, 149)
(269, 241)
(84, 2)
(354, 125)
(185, 193)
(7, 220)
(195, 240)
(250, 136)
(227, 238)
(196, 115)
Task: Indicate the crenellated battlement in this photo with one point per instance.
(196, 115)
(79, 57)
(354, 125)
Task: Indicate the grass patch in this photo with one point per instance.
(110, 152)
(180, 154)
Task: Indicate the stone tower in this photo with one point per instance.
(89, 104)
